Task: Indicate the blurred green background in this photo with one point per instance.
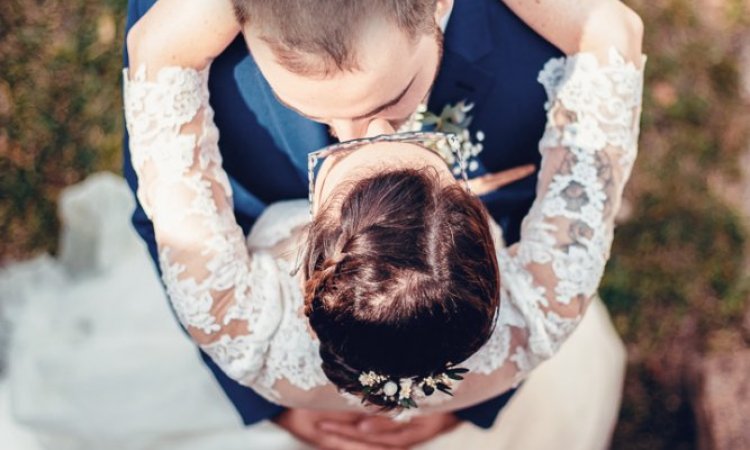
(677, 284)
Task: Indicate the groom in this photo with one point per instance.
(284, 100)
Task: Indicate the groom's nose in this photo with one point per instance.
(376, 127)
(347, 130)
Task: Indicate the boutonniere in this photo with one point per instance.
(454, 119)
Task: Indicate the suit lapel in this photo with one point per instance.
(467, 39)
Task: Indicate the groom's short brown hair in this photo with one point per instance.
(319, 36)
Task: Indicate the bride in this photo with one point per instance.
(408, 301)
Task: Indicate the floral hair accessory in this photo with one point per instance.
(404, 392)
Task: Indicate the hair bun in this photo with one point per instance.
(402, 281)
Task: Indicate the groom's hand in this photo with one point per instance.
(304, 424)
(384, 431)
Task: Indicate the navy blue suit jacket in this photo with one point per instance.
(491, 59)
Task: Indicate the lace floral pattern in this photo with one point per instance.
(226, 299)
(588, 150)
(240, 302)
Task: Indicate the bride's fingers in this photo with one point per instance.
(337, 435)
(379, 424)
(488, 183)
(368, 424)
(373, 429)
(335, 442)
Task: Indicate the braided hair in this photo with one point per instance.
(402, 281)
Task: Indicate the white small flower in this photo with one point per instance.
(390, 389)
(443, 146)
(459, 144)
(406, 387)
(368, 378)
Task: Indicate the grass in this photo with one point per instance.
(59, 110)
(676, 285)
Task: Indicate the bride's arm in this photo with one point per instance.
(227, 299)
(185, 33)
(549, 277)
(576, 26)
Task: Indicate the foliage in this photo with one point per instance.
(678, 274)
(59, 110)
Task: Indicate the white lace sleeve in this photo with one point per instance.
(227, 299)
(590, 142)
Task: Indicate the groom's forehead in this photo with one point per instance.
(385, 71)
(332, 50)
(385, 103)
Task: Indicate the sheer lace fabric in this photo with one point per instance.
(588, 150)
(239, 302)
(226, 298)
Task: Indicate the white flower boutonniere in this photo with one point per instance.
(454, 119)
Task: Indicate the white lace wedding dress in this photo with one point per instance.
(240, 303)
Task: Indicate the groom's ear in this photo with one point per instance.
(441, 9)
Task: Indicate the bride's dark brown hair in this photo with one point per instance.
(402, 280)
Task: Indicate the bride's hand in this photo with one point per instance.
(487, 183)
(380, 430)
(307, 426)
